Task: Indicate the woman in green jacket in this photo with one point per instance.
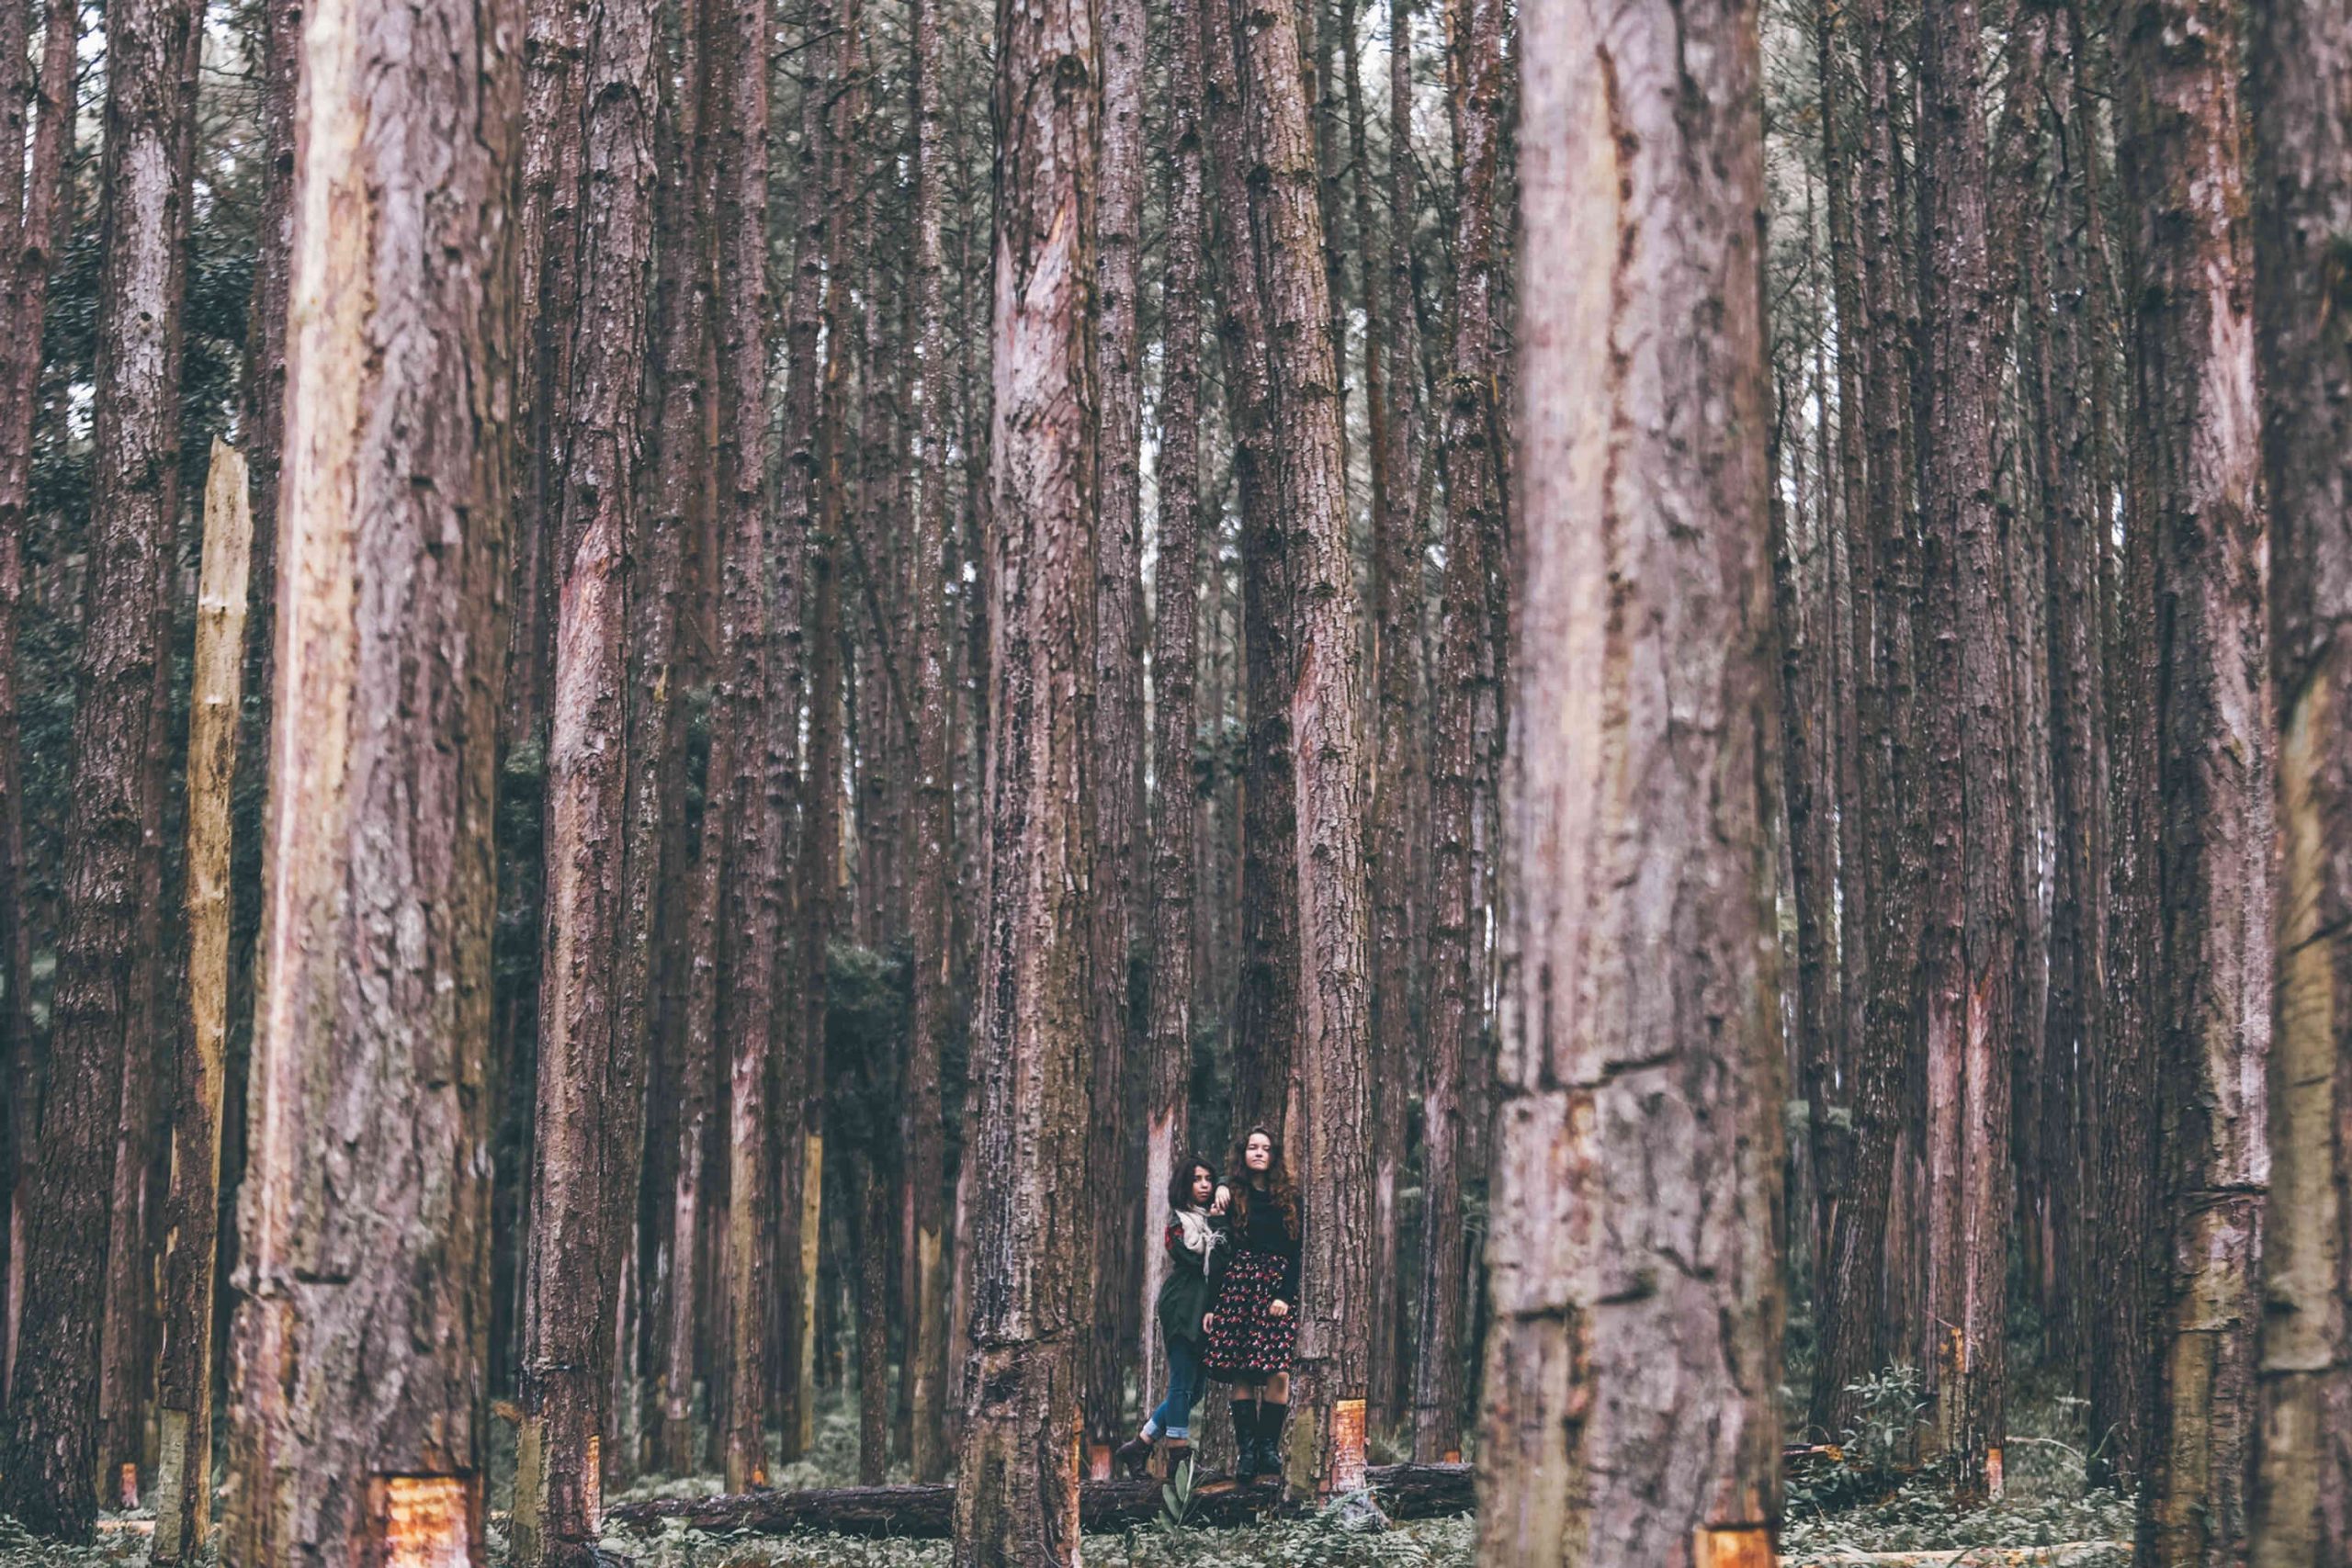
(1195, 1231)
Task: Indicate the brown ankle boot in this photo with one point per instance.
(1135, 1455)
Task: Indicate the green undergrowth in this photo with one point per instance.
(1868, 1505)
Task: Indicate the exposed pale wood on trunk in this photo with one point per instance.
(378, 862)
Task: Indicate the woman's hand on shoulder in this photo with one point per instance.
(1223, 1199)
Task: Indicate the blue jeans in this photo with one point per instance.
(1186, 1380)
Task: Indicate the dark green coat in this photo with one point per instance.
(1185, 1295)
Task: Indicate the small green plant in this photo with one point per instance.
(1176, 1497)
(1892, 1404)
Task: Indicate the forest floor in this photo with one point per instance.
(1832, 1516)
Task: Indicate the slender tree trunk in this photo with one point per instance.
(1175, 656)
(1119, 711)
(1016, 1501)
(1968, 964)
(934, 970)
(738, 118)
(2196, 476)
(23, 310)
(591, 1074)
(184, 1378)
(1472, 494)
(1632, 1367)
(49, 1452)
(378, 949)
(2302, 86)
(1266, 1002)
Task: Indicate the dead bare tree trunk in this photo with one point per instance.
(94, 1069)
(1029, 1230)
(184, 1375)
(2301, 83)
(2196, 475)
(378, 861)
(1642, 508)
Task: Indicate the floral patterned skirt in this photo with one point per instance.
(1248, 1344)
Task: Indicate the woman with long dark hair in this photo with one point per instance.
(1253, 1316)
(1195, 1235)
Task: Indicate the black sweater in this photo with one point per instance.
(1263, 1230)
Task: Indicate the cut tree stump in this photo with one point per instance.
(1404, 1491)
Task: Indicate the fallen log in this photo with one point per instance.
(2063, 1555)
(1404, 1492)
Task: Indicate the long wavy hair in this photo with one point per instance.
(1279, 1187)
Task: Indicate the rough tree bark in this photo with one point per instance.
(2195, 479)
(1333, 1065)
(191, 1213)
(1473, 493)
(668, 628)
(1393, 826)
(47, 1456)
(379, 863)
(1175, 634)
(591, 1072)
(23, 309)
(739, 42)
(1632, 1365)
(1029, 1234)
(1119, 735)
(2302, 86)
(935, 965)
(1970, 951)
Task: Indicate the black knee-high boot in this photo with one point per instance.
(1270, 1436)
(1245, 1467)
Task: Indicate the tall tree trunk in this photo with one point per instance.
(1175, 656)
(184, 1377)
(1971, 948)
(2195, 479)
(26, 236)
(2302, 86)
(1863, 1331)
(379, 857)
(1032, 1270)
(676, 513)
(1266, 1002)
(1119, 733)
(934, 925)
(48, 1457)
(1631, 1366)
(738, 120)
(1472, 494)
(1333, 1066)
(591, 1072)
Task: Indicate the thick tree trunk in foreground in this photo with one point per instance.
(1971, 954)
(1631, 1366)
(2302, 85)
(1029, 1230)
(47, 1456)
(2195, 470)
(379, 866)
(191, 1213)
(591, 1074)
